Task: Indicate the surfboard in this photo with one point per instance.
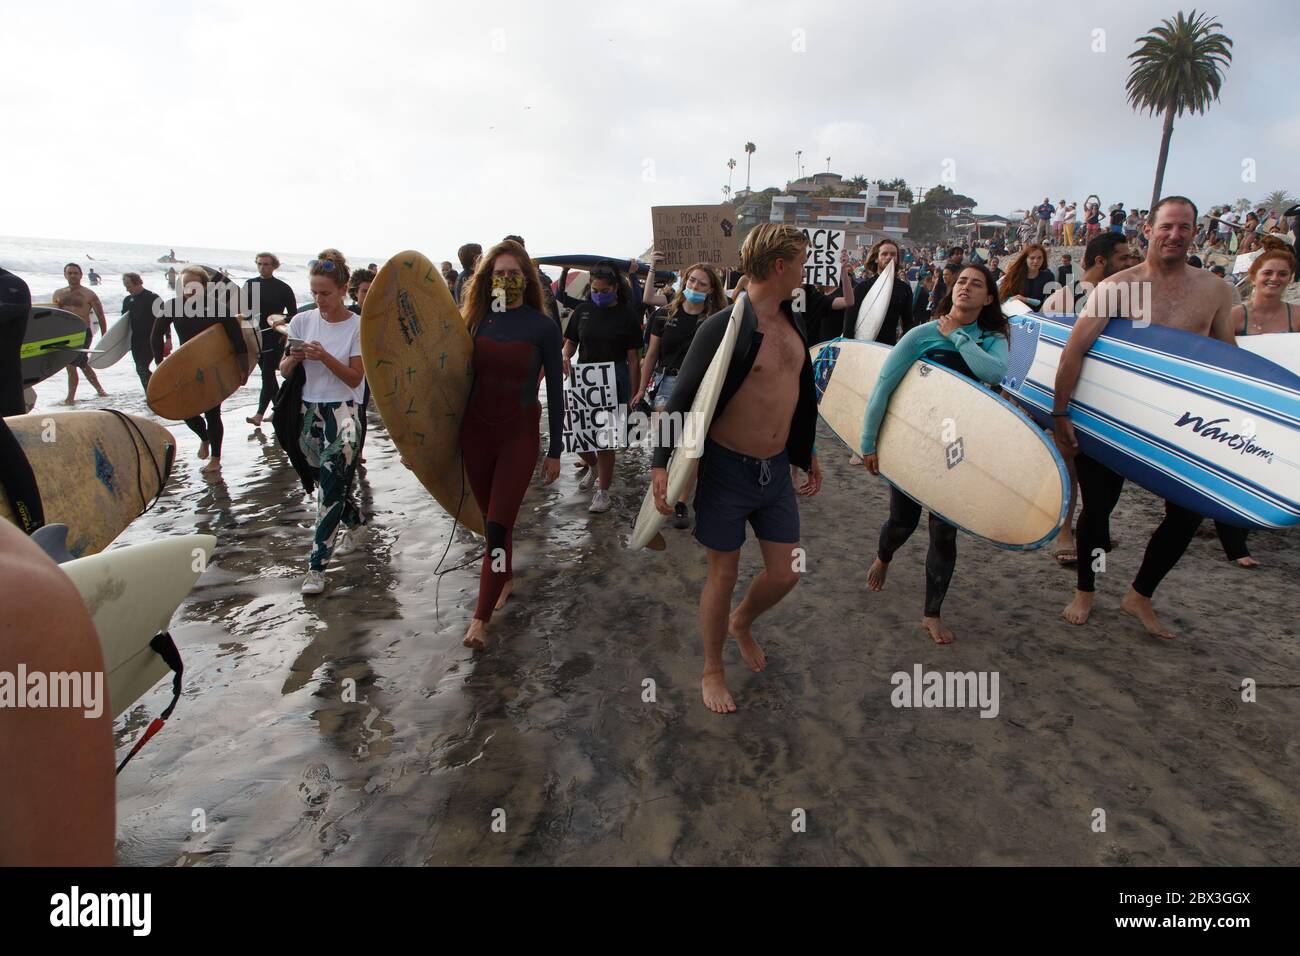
(875, 306)
(419, 361)
(131, 594)
(582, 261)
(53, 340)
(96, 471)
(1013, 307)
(685, 460)
(965, 453)
(1206, 425)
(115, 344)
(1281, 348)
(202, 373)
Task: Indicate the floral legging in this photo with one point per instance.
(329, 438)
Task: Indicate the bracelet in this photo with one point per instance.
(1061, 414)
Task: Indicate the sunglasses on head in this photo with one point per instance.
(325, 264)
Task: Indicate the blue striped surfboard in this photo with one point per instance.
(1209, 426)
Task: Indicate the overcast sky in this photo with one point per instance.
(376, 126)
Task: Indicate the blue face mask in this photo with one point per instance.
(604, 300)
(693, 297)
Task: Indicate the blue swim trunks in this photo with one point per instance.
(734, 489)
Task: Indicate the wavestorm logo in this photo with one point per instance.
(103, 909)
(54, 690)
(946, 689)
(1238, 442)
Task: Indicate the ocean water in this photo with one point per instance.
(40, 263)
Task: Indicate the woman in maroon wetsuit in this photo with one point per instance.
(515, 342)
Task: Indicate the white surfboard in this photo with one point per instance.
(1281, 348)
(115, 344)
(685, 459)
(132, 593)
(969, 456)
(875, 305)
(1192, 419)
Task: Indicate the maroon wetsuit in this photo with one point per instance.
(499, 437)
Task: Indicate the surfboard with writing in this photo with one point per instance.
(1209, 426)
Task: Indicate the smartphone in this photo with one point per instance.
(295, 343)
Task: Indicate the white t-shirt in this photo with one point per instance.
(1059, 215)
(341, 339)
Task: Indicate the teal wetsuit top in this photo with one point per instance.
(985, 354)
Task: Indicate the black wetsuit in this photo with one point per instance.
(207, 426)
(272, 296)
(140, 308)
(1099, 491)
(15, 311)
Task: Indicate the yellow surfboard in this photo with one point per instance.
(419, 361)
(201, 374)
(96, 471)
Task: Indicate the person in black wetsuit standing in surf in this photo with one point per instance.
(270, 296)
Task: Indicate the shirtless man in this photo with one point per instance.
(1177, 296)
(762, 434)
(80, 301)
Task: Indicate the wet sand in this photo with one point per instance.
(549, 725)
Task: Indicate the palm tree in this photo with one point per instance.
(1178, 67)
(1278, 201)
(731, 166)
(750, 149)
(859, 183)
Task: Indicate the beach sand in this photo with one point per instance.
(266, 762)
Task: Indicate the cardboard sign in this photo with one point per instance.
(822, 265)
(690, 234)
(593, 418)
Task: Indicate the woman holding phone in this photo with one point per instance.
(326, 341)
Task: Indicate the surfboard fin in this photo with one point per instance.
(657, 543)
(53, 540)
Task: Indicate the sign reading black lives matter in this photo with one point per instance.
(690, 234)
(593, 418)
(822, 265)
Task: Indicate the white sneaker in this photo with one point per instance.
(588, 480)
(314, 582)
(347, 542)
(600, 502)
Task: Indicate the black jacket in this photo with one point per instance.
(286, 417)
(898, 316)
(803, 425)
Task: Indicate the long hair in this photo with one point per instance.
(991, 318)
(478, 292)
(717, 300)
(1013, 279)
(873, 257)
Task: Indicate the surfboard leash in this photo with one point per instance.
(455, 523)
(134, 430)
(162, 645)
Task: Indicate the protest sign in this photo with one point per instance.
(822, 265)
(690, 234)
(593, 418)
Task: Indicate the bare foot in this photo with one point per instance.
(876, 575)
(716, 696)
(203, 450)
(254, 420)
(475, 635)
(102, 393)
(1140, 608)
(1247, 562)
(938, 633)
(749, 649)
(210, 467)
(68, 401)
(1077, 611)
(505, 593)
